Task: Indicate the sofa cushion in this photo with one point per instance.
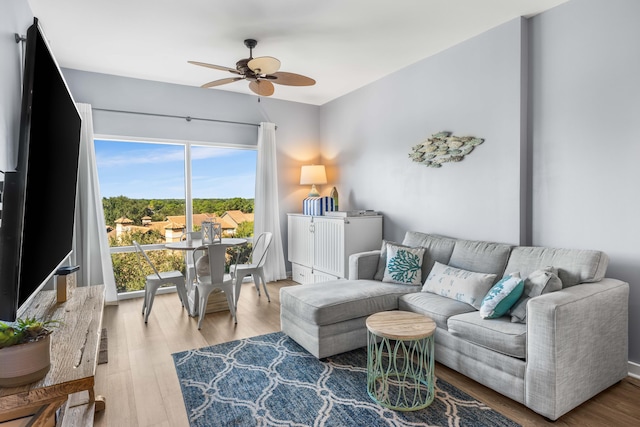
(537, 283)
(502, 296)
(482, 257)
(437, 307)
(339, 300)
(439, 248)
(500, 335)
(574, 265)
(404, 265)
(462, 285)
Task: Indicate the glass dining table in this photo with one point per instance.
(189, 245)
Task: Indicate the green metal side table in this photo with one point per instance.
(400, 360)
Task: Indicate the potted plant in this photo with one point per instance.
(25, 350)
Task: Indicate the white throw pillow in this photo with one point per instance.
(537, 283)
(462, 285)
(404, 265)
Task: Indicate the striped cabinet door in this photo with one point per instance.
(329, 245)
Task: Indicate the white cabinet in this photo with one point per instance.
(320, 246)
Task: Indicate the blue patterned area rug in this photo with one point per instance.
(270, 380)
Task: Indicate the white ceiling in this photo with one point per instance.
(342, 44)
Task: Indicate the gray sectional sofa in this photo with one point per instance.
(573, 345)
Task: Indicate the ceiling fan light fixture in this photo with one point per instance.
(264, 65)
(259, 72)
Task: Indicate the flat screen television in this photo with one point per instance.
(38, 199)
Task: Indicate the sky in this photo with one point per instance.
(141, 170)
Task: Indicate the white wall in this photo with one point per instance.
(472, 89)
(586, 135)
(15, 17)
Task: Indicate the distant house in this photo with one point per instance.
(173, 231)
(237, 217)
(195, 218)
(123, 225)
(175, 225)
(228, 227)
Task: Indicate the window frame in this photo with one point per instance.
(187, 145)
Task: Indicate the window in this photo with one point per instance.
(153, 192)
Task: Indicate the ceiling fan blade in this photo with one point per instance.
(264, 65)
(290, 79)
(215, 67)
(221, 82)
(262, 87)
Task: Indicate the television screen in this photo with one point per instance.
(36, 232)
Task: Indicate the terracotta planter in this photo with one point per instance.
(25, 363)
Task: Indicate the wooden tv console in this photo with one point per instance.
(74, 356)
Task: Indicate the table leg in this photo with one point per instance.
(193, 297)
(400, 374)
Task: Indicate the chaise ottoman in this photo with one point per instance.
(329, 318)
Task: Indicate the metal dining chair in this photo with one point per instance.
(157, 279)
(210, 275)
(254, 266)
(190, 261)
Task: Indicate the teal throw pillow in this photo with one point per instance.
(502, 296)
(404, 265)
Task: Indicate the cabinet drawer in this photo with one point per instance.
(319, 276)
(301, 274)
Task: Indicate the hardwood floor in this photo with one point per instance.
(141, 387)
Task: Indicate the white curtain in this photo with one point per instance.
(90, 243)
(267, 211)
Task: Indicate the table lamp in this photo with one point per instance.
(312, 175)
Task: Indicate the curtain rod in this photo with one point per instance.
(187, 118)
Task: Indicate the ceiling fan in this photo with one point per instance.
(261, 72)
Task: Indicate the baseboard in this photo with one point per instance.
(634, 370)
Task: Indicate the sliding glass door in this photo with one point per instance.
(153, 192)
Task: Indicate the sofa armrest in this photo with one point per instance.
(363, 265)
(577, 345)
